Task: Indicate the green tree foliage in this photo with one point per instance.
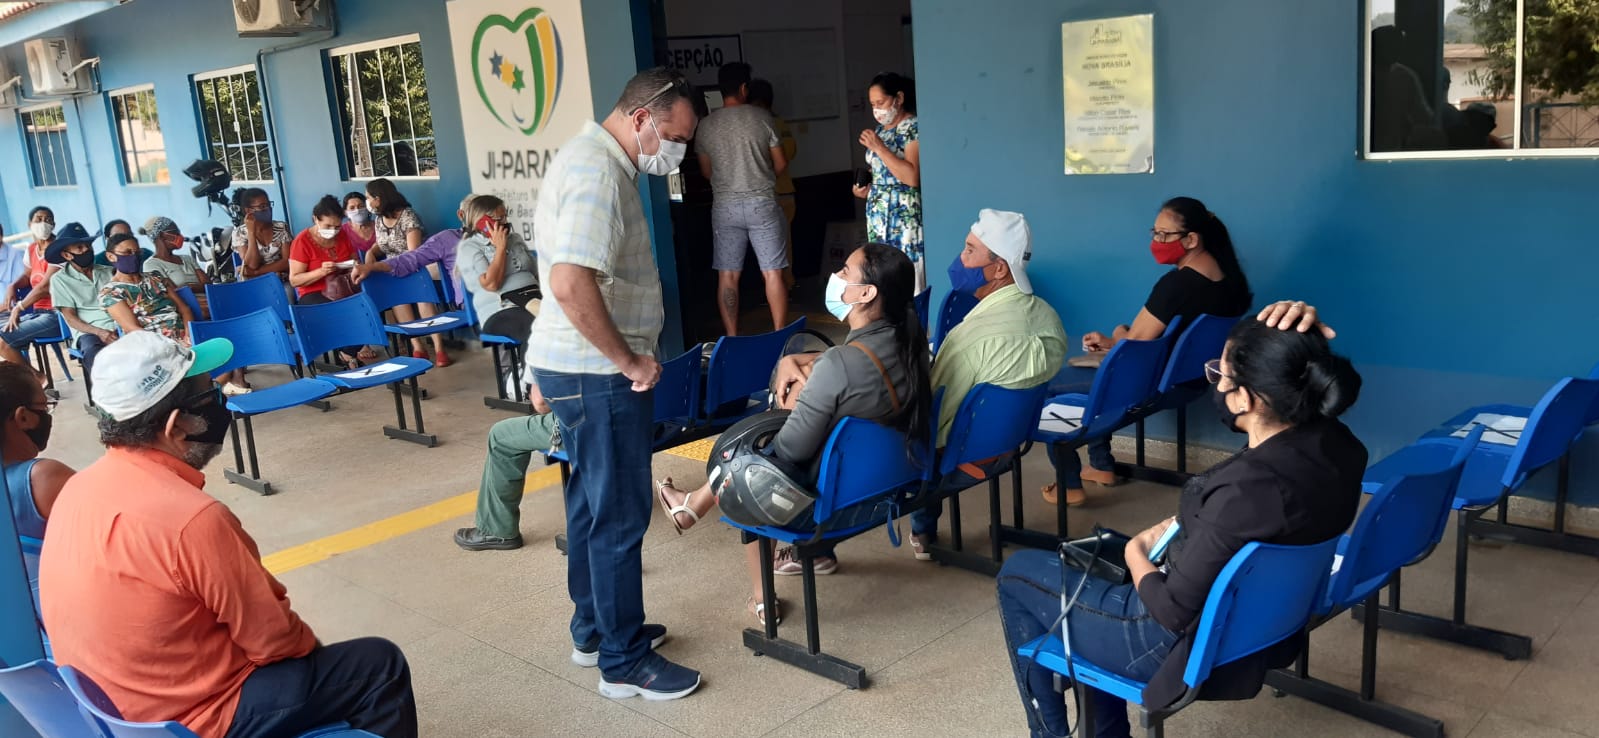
(1561, 47)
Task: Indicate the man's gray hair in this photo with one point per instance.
(656, 89)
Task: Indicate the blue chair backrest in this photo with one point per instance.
(742, 365)
(923, 302)
(1404, 520)
(233, 299)
(187, 296)
(1554, 424)
(1202, 342)
(330, 326)
(862, 460)
(471, 312)
(258, 338)
(37, 691)
(1126, 379)
(387, 290)
(1264, 595)
(951, 312)
(96, 707)
(677, 391)
(991, 421)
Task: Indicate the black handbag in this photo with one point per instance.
(1102, 555)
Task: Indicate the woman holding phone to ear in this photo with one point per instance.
(493, 261)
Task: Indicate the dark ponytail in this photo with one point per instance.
(327, 206)
(892, 84)
(1213, 234)
(1296, 374)
(892, 273)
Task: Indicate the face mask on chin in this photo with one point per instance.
(668, 154)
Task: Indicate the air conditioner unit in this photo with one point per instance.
(56, 68)
(281, 17)
(10, 85)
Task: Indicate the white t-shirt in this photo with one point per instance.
(177, 274)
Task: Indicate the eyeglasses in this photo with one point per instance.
(213, 394)
(1213, 373)
(264, 206)
(1167, 236)
(678, 82)
(49, 406)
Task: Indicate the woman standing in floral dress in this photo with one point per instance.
(893, 154)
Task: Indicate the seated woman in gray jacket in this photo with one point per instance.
(880, 373)
(493, 261)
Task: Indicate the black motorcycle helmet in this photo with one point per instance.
(752, 487)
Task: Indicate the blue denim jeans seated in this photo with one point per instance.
(605, 427)
(925, 521)
(1108, 627)
(41, 324)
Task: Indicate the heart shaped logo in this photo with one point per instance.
(517, 65)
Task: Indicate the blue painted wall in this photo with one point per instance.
(1451, 282)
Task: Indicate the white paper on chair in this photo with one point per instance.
(1504, 430)
(375, 370)
(1338, 563)
(1060, 418)
(430, 322)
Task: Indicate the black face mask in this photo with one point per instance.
(1228, 417)
(40, 434)
(216, 417)
(83, 260)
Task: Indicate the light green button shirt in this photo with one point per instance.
(1011, 339)
(590, 215)
(70, 288)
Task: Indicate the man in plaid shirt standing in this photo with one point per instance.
(593, 355)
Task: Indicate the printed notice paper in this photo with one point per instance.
(1109, 70)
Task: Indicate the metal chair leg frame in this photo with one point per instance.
(955, 554)
(1363, 704)
(1454, 629)
(1020, 535)
(518, 401)
(810, 656)
(420, 436)
(253, 481)
(1556, 538)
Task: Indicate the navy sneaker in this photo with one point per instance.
(653, 678)
(588, 654)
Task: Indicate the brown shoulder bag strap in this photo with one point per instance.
(893, 396)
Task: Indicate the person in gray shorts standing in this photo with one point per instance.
(741, 154)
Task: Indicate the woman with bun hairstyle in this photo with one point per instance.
(1296, 483)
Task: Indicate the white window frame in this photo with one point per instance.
(72, 165)
(116, 127)
(382, 43)
(1513, 153)
(199, 106)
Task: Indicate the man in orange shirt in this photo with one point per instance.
(152, 588)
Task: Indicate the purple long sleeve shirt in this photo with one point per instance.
(437, 249)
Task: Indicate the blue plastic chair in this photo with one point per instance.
(507, 354)
(1181, 383)
(991, 421)
(43, 344)
(1124, 383)
(1401, 525)
(38, 693)
(738, 378)
(863, 463)
(676, 399)
(1265, 595)
(229, 300)
(353, 321)
(186, 294)
(31, 549)
(1490, 477)
(954, 308)
(97, 708)
(923, 302)
(258, 339)
(387, 291)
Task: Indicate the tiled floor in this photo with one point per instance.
(487, 640)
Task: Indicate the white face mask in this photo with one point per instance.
(371, 209)
(358, 215)
(667, 157)
(41, 231)
(327, 233)
(886, 115)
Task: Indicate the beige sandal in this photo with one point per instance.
(758, 609)
(671, 512)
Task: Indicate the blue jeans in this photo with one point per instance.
(605, 428)
(364, 682)
(1108, 627)
(42, 324)
(925, 521)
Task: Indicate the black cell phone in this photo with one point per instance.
(863, 178)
